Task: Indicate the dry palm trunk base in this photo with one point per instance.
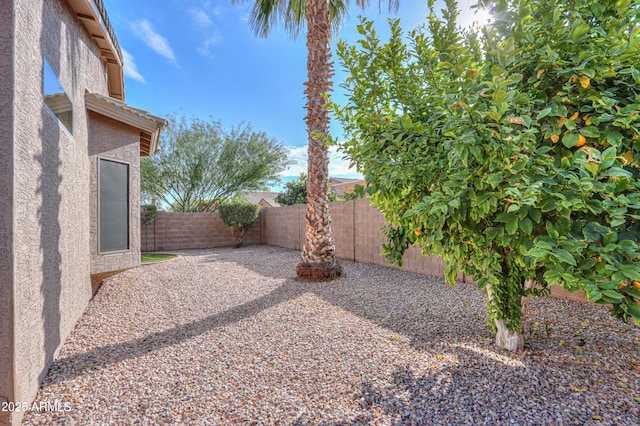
(318, 271)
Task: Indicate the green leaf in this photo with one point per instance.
(494, 179)
(579, 31)
(542, 114)
(496, 71)
(547, 205)
(590, 132)
(570, 139)
(630, 271)
(537, 252)
(612, 136)
(504, 217)
(406, 121)
(512, 225)
(535, 215)
(633, 309)
(611, 294)
(492, 232)
(593, 231)
(499, 95)
(564, 256)
(633, 292)
(495, 116)
(616, 171)
(526, 225)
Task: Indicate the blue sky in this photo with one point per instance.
(200, 58)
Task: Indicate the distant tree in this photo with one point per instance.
(148, 213)
(239, 217)
(201, 164)
(296, 192)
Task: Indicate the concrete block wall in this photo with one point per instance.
(357, 234)
(356, 226)
(177, 231)
(284, 226)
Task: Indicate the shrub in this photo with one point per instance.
(148, 214)
(239, 217)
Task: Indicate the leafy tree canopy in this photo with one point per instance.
(514, 155)
(200, 163)
(296, 192)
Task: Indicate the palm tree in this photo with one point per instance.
(318, 261)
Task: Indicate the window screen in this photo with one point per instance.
(113, 206)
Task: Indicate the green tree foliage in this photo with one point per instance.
(514, 156)
(148, 213)
(239, 217)
(296, 192)
(202, 164)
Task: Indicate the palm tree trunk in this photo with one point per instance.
(318, 261)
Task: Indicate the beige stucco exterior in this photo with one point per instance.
(113, 140)
(6, 205)
(48, 186)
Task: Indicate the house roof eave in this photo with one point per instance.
(92, 14)
(149, 125)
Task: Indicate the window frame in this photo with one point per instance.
(47, 63)
(99, 219)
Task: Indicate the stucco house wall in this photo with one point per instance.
(6, 206)
(112, 140)
(48, 178)
(52, 175)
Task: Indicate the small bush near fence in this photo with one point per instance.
(148, 214)
(239, 217)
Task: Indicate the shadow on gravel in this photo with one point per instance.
(96, 359)
(438, 321)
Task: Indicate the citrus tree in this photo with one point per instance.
(513, 155)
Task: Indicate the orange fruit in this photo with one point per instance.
(636, 284)
(581, 141)
(418, 232)
(555, 138)
(585, 81)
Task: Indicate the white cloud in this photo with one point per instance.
(215, 39)
(130, 67)
(200, 17)
(143, 29)
(203, 20)
(338, 167)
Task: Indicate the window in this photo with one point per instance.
(56, 99)
(113, 206)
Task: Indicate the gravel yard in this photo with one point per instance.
(227, 336)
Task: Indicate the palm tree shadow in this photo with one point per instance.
(99, 357)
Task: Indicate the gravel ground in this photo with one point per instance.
(227, 336)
